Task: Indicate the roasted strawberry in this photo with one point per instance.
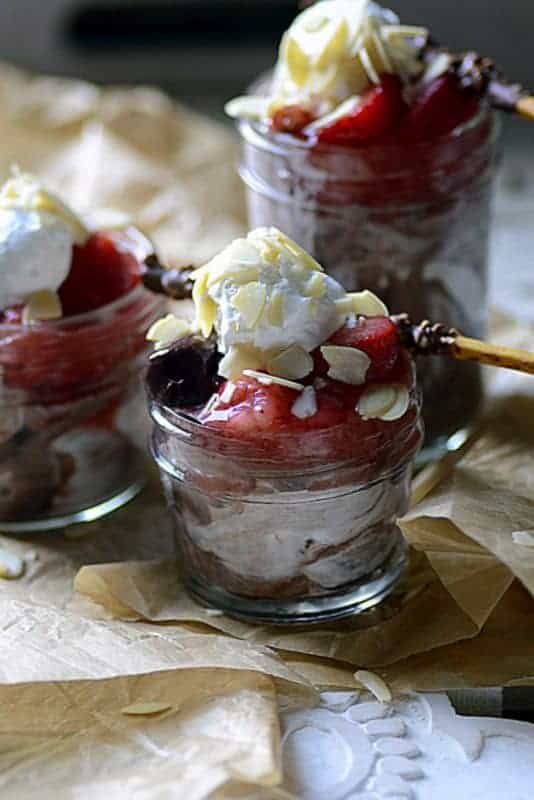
(441, 107)
(376, 336)
(380, 110)
(100, 273)
(254, 408)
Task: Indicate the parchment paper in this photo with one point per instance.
(70, 663)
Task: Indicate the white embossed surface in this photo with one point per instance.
(417, 747)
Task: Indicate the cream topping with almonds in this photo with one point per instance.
(269, 309)
(332, 53)
(37, 232)
(270, 304)
(267, 294)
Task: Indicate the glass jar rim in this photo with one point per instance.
(177, 423)
(258, 133)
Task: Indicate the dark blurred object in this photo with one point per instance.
(202, 51)
(175, 283)
(97, 25)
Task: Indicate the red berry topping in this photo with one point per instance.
(380, 110)
(442, 106)
(291, 119)
(100, 273)
(254, 408)
(376, 336)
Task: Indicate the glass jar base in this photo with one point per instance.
(355, 598)
(92, 506)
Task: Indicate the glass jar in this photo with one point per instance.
(296, 536)
(73, 423)
(410, 223)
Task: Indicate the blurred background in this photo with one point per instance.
(205, 51)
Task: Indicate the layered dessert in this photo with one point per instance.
(375, 150)
(286, 419)
(73, 317)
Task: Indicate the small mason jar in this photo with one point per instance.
(408, 222)
(295, 535)
(73, 420)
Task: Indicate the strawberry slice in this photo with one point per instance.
(100, 273)
(380, 110)
(254, 408)
(376, 336)
(441, 107)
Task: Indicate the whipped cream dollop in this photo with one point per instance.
(37, 233)
(333, 52)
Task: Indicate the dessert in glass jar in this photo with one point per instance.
(368, 150)
(73, 321)
(286, 419)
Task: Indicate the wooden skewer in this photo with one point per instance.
(427, 338)
(525, 106)
(468, 349)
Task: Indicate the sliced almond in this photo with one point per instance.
(297, 61)
(240, 263)
(237, 360)
(381, 49)
(275, 309)
(334, 47)
(298, 252)
(377, 400)
(368, 304)
(167, 330)
(391, 32)
(228, 392)
(270, 253)
(365, 303)
(249, 300)
(238, 273)
(374, 684)
(247, 107)
(11, 565)
(268, 380)
(145, 709)
(369, 67)
(42, 305)
(306, 404)
(316, 285)
(206, 315)
(200, 286)
(344, 305)
(347, 364)
(400, 406)
(344, 109)
(294, 363)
